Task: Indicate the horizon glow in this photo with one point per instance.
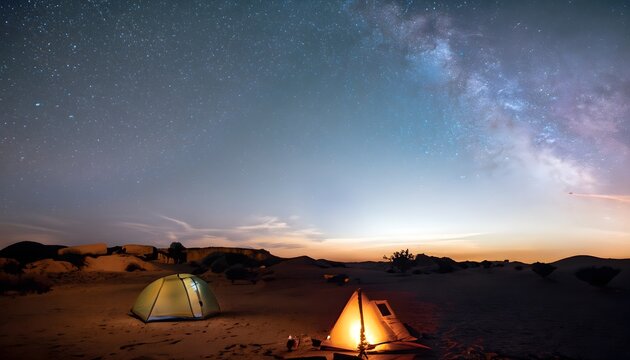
(344, 130)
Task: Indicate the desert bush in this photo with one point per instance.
(238, 272)
(115, 250)
(230, 259)
(339, 279)
(199, 270)
(486, 264)
(236, 258)
(77, 260)
(210, 258)
(219, 265)
(597, 276)
(177, 252)
(10, 266)
(402, 260)
(23, 284)
(133, 267)
(543, 269)
(518, 268)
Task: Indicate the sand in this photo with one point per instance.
(497, 313)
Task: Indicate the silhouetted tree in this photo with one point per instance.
(543, 269)
(402, 260)
(177, 253)
(597, 276)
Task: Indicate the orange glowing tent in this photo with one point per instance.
(370, 326)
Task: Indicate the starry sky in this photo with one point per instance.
(345, 130)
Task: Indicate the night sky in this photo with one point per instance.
(344, 130)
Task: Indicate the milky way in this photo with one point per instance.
(457, 128)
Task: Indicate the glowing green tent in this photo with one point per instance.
(179, 296)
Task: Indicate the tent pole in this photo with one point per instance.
(362, 341)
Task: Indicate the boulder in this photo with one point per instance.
(46, 266)
(117, 263)
(145, 251)
(92, 249)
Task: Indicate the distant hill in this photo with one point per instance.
(309, 261)
(587, 260)
(30, 251)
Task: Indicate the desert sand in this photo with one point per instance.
(476, 313)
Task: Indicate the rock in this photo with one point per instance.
(46, 266)
(145, 251)
(117, 263)
(92, 249)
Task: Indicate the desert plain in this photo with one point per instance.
(500, 311)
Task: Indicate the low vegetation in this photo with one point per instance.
(23, 284)
(177, 252)
(134, 267)
(401, 261)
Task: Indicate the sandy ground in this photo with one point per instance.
(497, 313)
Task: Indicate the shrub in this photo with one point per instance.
(339, 279)
(543, 269)
(219, 265)
(115, 250)
(177, 252)
(133, 267)
(10, 266)
(402, 260)
(23, 284)
(518, 268)
(486, 264)
(77, 260)
(238, 272)
(597, 276)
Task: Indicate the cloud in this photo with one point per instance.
(618, 198)
(33, 227)
(397, 240)
(266, 223)
(268, 231)
(43, 230)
